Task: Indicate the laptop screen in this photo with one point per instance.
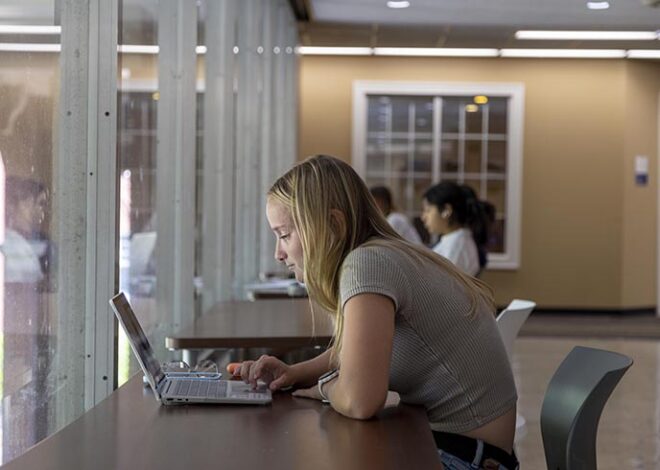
(138, 339)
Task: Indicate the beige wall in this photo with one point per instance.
(639, 217)
(582, 245)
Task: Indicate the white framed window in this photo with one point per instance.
(411, 135)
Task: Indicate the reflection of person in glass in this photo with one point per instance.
(27, 335)
(25, 212)
(405, 319)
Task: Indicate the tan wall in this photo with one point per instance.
(575, 139)
(639, 249)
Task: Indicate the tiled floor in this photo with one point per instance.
(628, 435)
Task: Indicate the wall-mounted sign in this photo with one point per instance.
(641, 170)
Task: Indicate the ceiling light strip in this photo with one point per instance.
(598, 5)
(643, 54)
(28, 47)
(29, 29)
(564, 53)
(394, 51)
(588, 35)
(435, 52)
(308, 50)
(137, 49)
(398, 4)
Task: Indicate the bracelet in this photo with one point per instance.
(325, 378)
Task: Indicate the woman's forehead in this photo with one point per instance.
(277, 213)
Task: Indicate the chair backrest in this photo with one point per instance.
(573, 403)
(511, 319)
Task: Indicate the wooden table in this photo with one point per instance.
(130, 430)
(273, 323)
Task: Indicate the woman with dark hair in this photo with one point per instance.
(448, 212)
(483, 217)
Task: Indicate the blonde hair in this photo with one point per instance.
(334, 213)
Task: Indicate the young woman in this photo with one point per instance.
(448, 212)
(406, 319)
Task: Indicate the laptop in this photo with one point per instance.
(187, 387)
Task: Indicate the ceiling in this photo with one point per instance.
(469, 23)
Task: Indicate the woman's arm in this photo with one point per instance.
(360, 390)
(307, 373)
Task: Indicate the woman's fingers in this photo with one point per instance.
(245, 370)
(267, 368)
(278, 383)
(234, 368)
(259, 370)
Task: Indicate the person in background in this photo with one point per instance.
(446, 211)
(406, 320)
(27, 325)
(483, 220)
(397, 220)
(25, 212)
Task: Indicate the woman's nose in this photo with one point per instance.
(280, 255)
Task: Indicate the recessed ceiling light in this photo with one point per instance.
(481, 99)
(598, 5)
(398, 4)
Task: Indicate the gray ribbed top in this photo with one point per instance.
(453, 364)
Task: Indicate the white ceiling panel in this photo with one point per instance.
(512, 13)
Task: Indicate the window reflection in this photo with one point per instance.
(29, 84)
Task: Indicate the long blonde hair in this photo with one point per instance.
(334, 213)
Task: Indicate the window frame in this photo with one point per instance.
(515, 92)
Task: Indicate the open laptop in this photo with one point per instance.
(192, 388)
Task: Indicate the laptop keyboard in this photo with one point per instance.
(201, 388)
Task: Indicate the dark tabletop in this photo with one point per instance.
(273, 323)
(130, 430)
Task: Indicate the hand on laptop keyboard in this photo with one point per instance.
(273, 372)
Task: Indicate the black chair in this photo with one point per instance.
(573, 403)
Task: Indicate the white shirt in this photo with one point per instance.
(459, 248)
(403, 227)
(21, 262)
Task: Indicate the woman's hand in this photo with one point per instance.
(311, 392)
(314, 392)
(275, 373)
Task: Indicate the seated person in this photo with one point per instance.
(445, 212)
(483, 221)
(405, 319)
(397, 220)
(25, 212)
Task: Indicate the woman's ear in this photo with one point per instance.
(446, 211)
(338, 223)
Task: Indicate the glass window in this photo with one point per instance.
(415, 140)
(29, 90)
(137, 165)
(400, 146)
